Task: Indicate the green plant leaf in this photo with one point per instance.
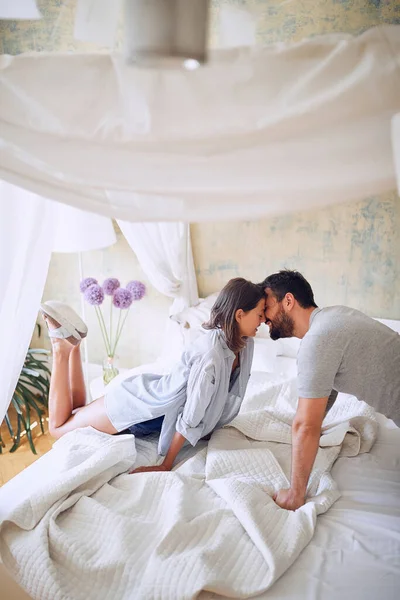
(28, 429)
(44, 381)
(32, 372)
(38, 351)
(40, 366)
(17, 438)
(41, 396)
(30, 380)
(25, 392)
(31, 393)
(38, 383)
(14, 402)
(8, 423)
(30, 399)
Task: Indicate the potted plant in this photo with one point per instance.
(30, 397)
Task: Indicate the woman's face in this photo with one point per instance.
(250, 321)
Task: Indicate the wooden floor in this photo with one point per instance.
(12, 464)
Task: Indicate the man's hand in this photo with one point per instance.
(149, 469)
(288, 499)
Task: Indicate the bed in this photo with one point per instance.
(76, 525)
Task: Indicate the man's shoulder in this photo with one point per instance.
(326, 326)
(337, 318)
(335, 325)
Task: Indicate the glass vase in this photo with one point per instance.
(109, 369)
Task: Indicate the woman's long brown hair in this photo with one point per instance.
(238, 293)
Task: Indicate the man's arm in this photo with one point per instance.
(306, 431)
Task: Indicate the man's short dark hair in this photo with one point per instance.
(292, 282)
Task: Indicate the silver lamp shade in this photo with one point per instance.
(166, 32)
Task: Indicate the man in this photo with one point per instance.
(342, 350)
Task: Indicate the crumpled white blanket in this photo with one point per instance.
(76, 525)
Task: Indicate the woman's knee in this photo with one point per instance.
(93, 415)
(55, 432)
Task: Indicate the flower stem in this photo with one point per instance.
(117, 331)
(120, 330)
(101, 328)
(104, 330)
(111, 313)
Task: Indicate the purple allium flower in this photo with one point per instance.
(137, 289)
(110, 285)
(85, 283)
(122, 298)
(94, 294)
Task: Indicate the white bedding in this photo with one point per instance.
(355, 552)
(73, 527)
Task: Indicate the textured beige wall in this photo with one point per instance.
(350, 253)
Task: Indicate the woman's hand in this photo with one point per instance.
(177, 442)
(149, 469)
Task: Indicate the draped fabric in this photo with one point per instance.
(25, 251)
(255, 132)
(164, 252)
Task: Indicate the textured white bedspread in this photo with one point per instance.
(75, 525)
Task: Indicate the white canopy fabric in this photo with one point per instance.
(165, 254)
(253, 133)
(25, 251)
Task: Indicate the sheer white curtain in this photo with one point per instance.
(164, 252)
(25, 248)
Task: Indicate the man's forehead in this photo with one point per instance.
(269, 294)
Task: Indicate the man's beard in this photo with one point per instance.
(282, 326)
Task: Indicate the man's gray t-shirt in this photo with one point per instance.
(346, 351)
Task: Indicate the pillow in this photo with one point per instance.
(395, 325)
(284, 347)
(174, 343)
(289, 347)
(264, 357)
(263, 332)
(195, 316)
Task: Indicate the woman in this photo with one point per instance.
(202, 393)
